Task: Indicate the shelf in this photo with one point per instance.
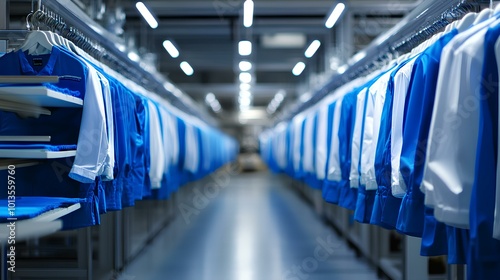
(35, 153)
(45, 224)
(25, 138)
(39, 96)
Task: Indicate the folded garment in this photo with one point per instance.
(52, 148)
(27, 207)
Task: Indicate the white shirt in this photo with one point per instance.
(156, 151)
(297, 131)
(334, 169)
(356, 139)
(308, 144)
(451, 153)
(373, 116)
(92, 146)
(109, 164)
(191, 160)
(321, 139)
(401, 84)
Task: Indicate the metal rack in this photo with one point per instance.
(427, 18)
(67, 19)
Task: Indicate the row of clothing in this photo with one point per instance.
(130, 143)
(414, 146)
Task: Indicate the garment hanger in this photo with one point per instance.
(467, 21)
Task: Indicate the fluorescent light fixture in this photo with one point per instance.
(146, 14)
(171, 49)
(313, 47)
(245, 94)
(299, 67)
(245, 77)
(188, 70)
(245, 101)
(335, 15)
(245, 65)
(279, 97)
(210, 98)
(248, 13)
(342, 69)
(133, 56)
(245, 48)
(283, 40)
(245, 87)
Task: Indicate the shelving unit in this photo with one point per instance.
(39, 96)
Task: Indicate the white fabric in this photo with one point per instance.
(401, 84)
(166, 139)
(356, 139)
(297, 155)
(308, 144)
(156, 151)
(496, 220)
(321, 139)
(191, 160)
(373, 116)
(92, 146)
(109, 163)
(334, 169)
(451, 153)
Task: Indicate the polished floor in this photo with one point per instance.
(255, 228)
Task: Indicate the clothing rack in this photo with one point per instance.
(429, 18)
(68, 20)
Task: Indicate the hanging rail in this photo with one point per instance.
(428, 18)
(67, 19)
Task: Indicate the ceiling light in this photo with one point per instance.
(279, 97)
(313, 47)
(171, 49)
(146, 14)
(245, 77)
(245, 101)
(245, 94)
(342, 69)
(245, 65)
(246, 87)
(299, 67)
(245, 48)
(210, 98)
(188, 70)
(248, 13)
(133, 56)
(335, 15)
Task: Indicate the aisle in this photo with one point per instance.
(254, 229)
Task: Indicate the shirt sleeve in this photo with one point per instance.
(356, 139)
(334, 168)
(92, 146)
(401, 84)
(109, 164)
(156, 151)
(367, 134)
(321, 138)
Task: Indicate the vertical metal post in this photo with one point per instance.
(85, 250)
(4, 22)
(416, 266)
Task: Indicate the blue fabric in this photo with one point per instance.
(50, 148)
(484, 252)
(458, 245)
(71, 71)
(385, 205)
(330, 190)
(56, 183)
(416, 126)
(27, 207)
(348, 195)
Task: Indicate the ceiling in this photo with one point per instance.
(206, 32)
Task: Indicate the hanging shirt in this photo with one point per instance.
(420, 103)
(484, 261)
(334, 168)
(356, 138)
(401, 82)
(330, 191)
(321, 141)
(157, 154)
(451, 151)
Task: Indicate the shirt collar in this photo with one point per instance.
(26, 67)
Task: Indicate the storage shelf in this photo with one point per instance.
(35, 153)
(39, 96)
